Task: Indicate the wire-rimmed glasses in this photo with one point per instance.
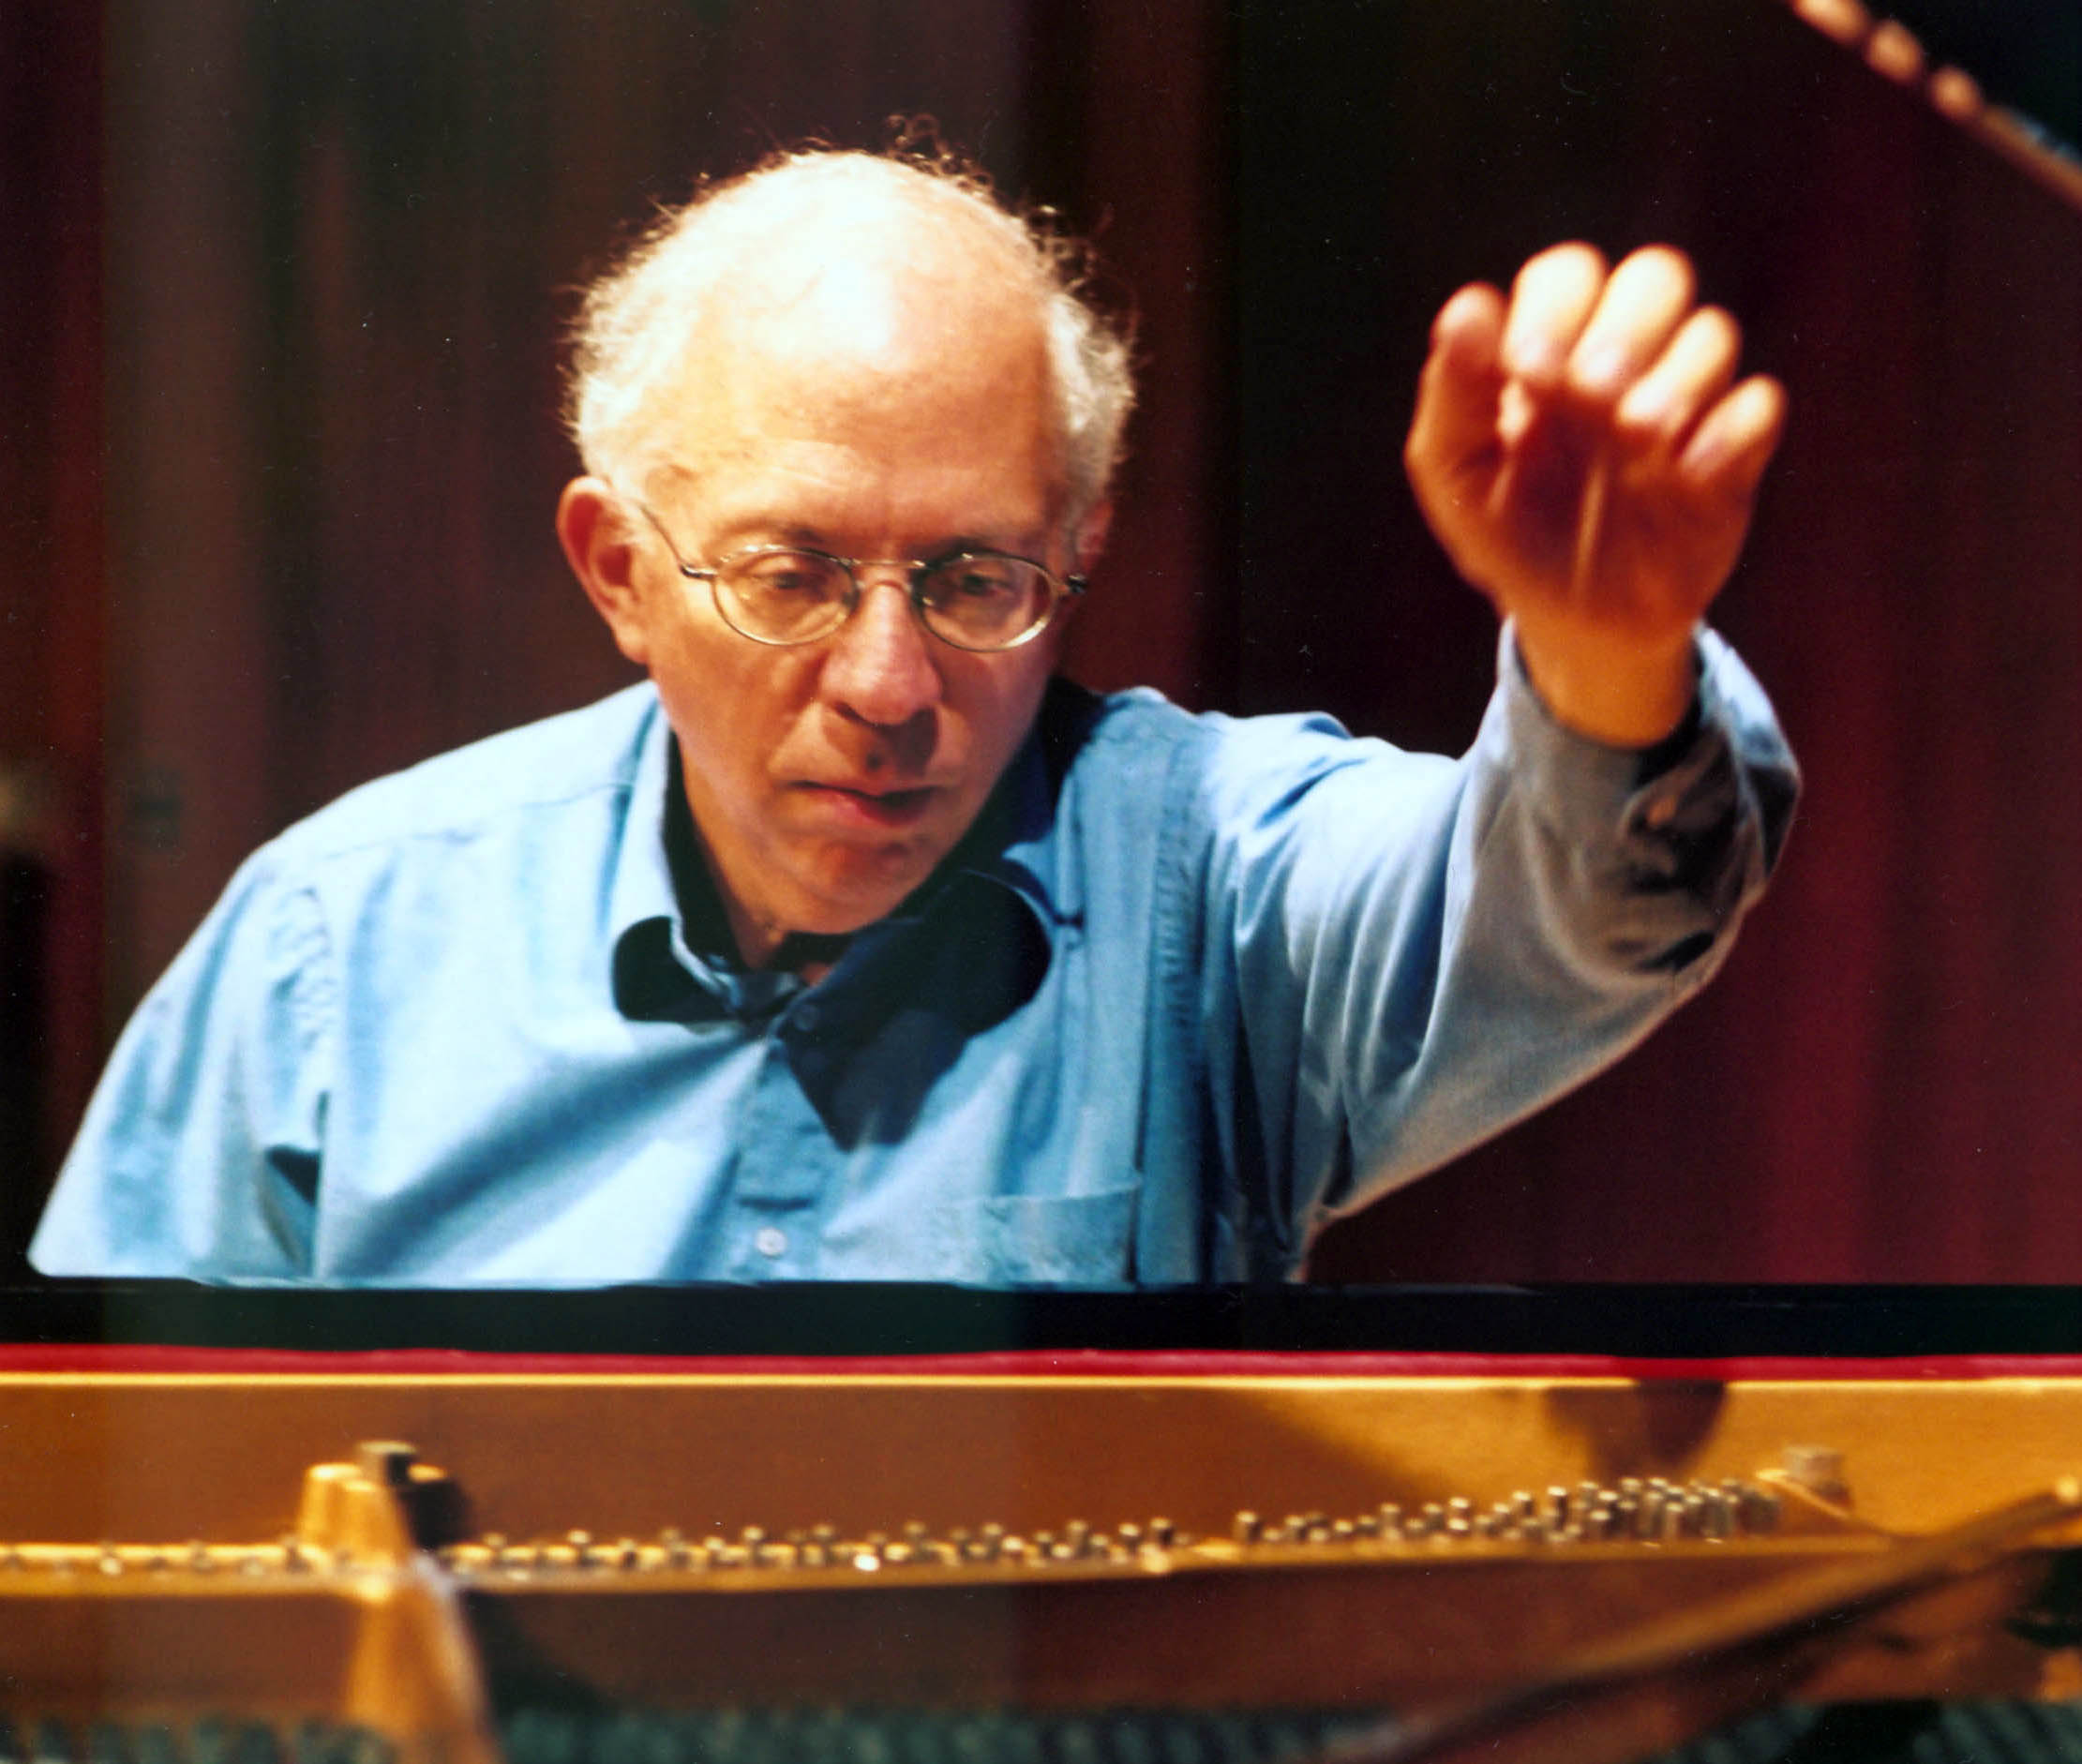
(979, 601)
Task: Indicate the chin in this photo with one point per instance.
(841, 915)
(850, 896)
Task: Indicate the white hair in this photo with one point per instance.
(639, 319)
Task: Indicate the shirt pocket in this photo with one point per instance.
(1036, 1240)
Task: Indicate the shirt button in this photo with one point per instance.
(770, 1242)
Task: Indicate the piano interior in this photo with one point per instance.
(455, 1559)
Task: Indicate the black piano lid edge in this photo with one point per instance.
(845, 1321)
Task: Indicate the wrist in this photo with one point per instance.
(1619, 695)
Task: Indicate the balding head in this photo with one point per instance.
(867, 260)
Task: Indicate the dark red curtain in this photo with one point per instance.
(51, 588)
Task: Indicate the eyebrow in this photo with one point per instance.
(754, 530)
(760, 529)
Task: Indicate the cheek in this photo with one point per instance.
(731, 703)
(1003, 703)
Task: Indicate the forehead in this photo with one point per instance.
(856, 385)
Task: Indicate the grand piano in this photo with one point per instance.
(921, 1524)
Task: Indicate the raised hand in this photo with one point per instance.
(1588, 460)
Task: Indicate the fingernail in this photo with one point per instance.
(1600, 369)
(1536, 361)
(1644, 410)
(1703, 463)
(1514, 413)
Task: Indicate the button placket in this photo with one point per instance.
(786, 1160)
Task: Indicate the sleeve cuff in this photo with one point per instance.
(1588, 790)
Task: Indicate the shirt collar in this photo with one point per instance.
(1015, 841)
(1012, 845)
(640, 888)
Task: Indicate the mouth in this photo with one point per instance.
(872, 808)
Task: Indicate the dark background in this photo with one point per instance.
(278, 311)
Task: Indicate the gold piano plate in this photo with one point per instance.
(177, 1543)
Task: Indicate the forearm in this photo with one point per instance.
(1539, 918)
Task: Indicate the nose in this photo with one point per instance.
(881, 667)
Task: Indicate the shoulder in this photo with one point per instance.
(1083, 727)
(1152, 782)
(577, 758)
(1226, 763)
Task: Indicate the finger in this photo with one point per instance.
(1455, 427)
(1697, 366)
(1468, 332)
(1729, 450)
(1551, 301)
(1643, 302)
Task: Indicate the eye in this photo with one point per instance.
(980, 576)
(783, 575)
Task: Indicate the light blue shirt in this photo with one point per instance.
(1191, 987)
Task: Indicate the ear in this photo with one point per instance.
(1091, 536)
(592, 525)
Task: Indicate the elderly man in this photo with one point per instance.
(855, 945)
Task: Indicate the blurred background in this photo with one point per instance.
(279, 309)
